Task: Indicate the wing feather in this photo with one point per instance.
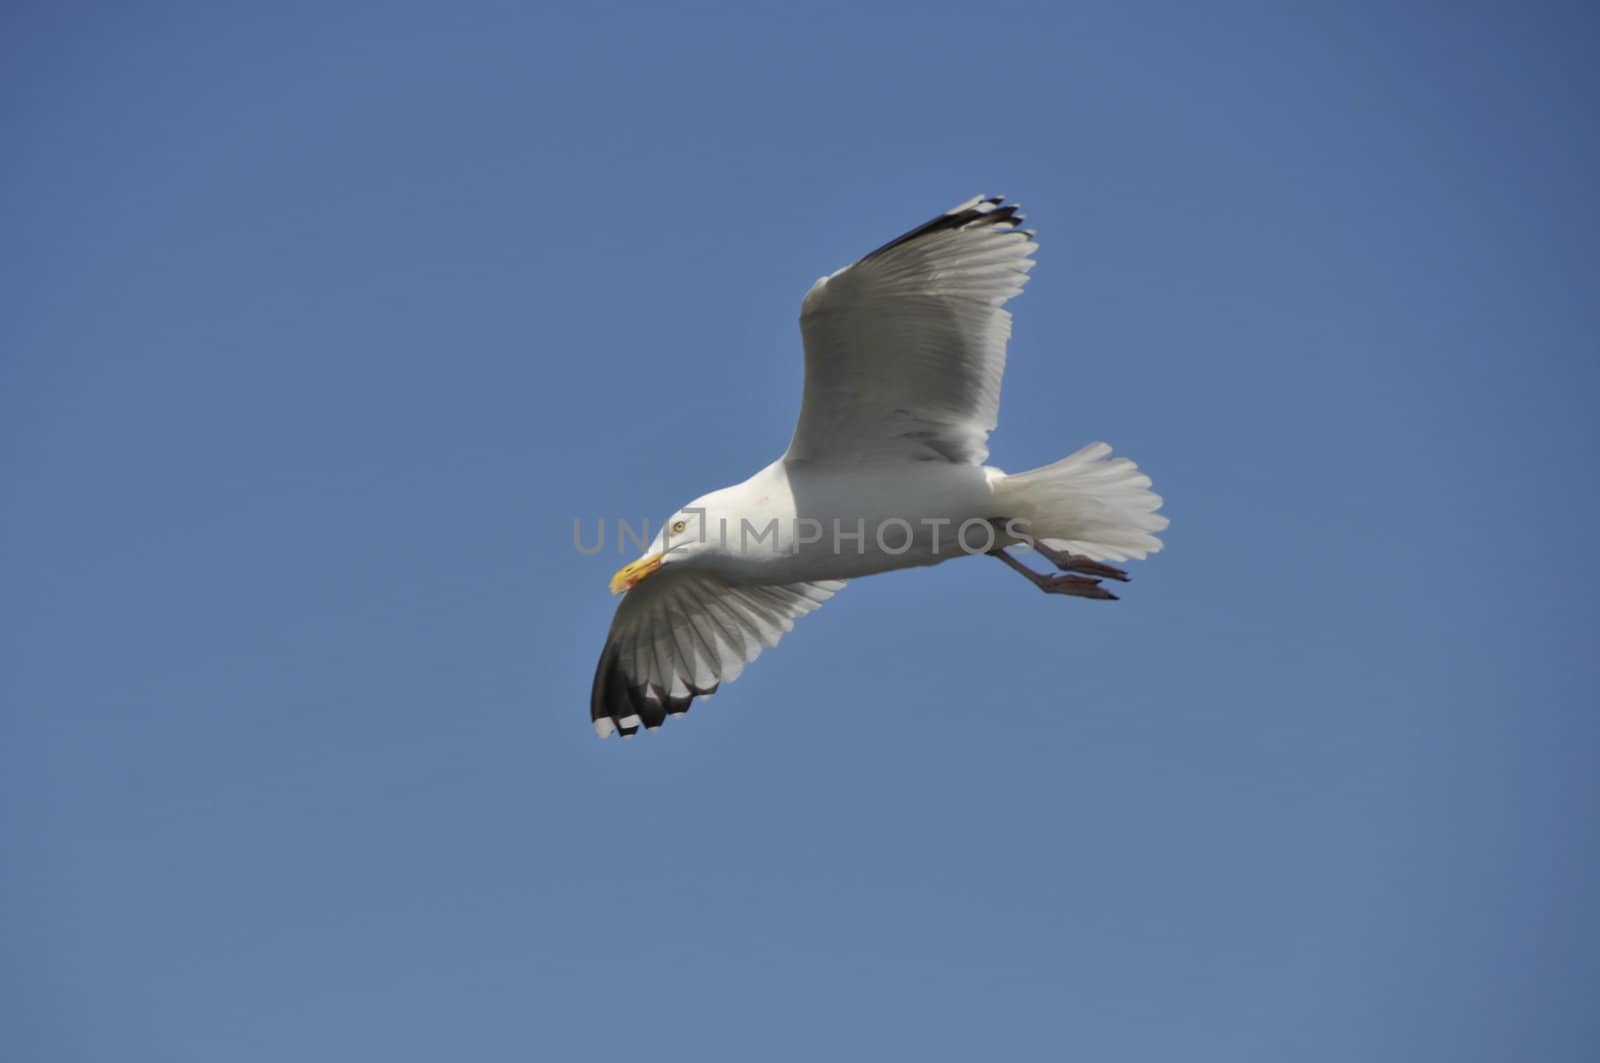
(679, 635)
(906, 347)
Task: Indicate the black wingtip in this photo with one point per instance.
(614, 698)
(977, 212)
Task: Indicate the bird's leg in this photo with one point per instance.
(1070, 562)
(1058, 583)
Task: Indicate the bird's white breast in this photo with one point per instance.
(797, 521)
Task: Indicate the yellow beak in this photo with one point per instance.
(629, 575)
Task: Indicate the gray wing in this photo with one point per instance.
(679, 635)
(905, 348)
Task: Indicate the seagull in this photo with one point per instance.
(904, 351)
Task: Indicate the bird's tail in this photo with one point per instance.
(1089, 503)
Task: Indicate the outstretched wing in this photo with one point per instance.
(905, 348)
(680, 634)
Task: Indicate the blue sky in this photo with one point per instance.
(322, 324)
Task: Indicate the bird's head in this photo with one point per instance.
(691, 535)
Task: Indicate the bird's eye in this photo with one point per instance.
(678, 526)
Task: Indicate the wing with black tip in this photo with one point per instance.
(679, 635)
(905, 348)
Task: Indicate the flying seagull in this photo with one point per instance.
(904, 353)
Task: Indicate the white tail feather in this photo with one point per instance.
(1088, 503)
